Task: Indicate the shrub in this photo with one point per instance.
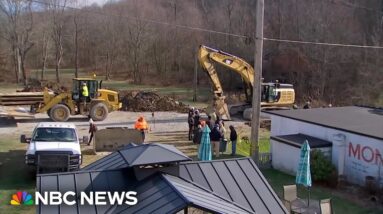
(321, 167)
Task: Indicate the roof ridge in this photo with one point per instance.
(209, 161)
(78, 172)
(203, 188)
(174, 188)
(161, 145)
(140, 154)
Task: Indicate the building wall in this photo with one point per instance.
(362, 155)
(286, 157)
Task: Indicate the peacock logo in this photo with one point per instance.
(21, 198)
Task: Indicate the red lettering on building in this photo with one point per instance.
(378, 157)
(354, 152)
(365, 153)
(367, 156)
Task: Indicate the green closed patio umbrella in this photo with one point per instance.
(303, 173)
(204, 151)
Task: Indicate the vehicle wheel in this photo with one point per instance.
(99, 112)
(59, 113)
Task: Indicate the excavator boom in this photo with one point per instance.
(272, 95)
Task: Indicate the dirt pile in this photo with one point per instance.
(35, 85)
(31, 89)
(138, 101)
(264, 124)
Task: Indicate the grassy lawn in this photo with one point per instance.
(50, 74)
(14, 176)
(243, 146)
(278, 179)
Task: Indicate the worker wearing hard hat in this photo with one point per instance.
(84, 96)
(142, 126)
(84, 90)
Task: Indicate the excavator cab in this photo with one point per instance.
(270, 93)
(92, 85)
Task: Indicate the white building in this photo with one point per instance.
(353, 136)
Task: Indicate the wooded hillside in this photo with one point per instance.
(151, 40)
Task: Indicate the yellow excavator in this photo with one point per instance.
(274, 94)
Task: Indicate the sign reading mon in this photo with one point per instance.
(365, 153)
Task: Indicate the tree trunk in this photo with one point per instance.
(44, 55)
(76, 47)
(107, 68)
(19, 64)
(43, 69)
(76, 54)
(15, 66)
(57, 67)
(23, 71)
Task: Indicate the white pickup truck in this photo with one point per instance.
(54, 147)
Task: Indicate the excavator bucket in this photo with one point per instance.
(221, 108)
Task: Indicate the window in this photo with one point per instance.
(55, 134)
(111, 98)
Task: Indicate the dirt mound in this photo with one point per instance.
(264, 124)
(35, 85)
(138, 101)
(31, 89)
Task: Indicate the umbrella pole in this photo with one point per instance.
(308, 201)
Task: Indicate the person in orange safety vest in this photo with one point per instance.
(142, 126)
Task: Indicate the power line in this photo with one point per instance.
(351, 5)
(212, 31)
(145, 20)
(322, 43)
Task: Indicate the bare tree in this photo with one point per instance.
(18, 32)
(136, 44)
(76, 32)
(44, 53)
(56, 9)
(112, 26)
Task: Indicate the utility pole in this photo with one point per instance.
(195, 76)
(257, 81)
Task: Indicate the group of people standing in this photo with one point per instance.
(218, 134)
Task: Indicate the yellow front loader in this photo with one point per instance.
(97, 106)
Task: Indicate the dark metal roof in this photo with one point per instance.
(221, 186)
(80, 181)
(157, 194)
(137, 155)
(359, 120)
(202, 198)
(237, 180)
(297, 140)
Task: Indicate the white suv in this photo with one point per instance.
(53, 147)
